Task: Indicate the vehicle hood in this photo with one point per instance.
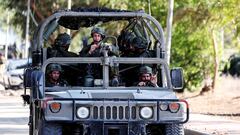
(122, 94)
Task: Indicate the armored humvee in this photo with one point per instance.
(92, 105)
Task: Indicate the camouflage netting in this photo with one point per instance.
(76, 22)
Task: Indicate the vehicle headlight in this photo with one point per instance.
(83, 112)
(146, 112)
(163, 106)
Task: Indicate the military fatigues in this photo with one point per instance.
(85, 50)
(58, 52)
(60, 47)
(61, 82)
(93, 70)
(97, 52)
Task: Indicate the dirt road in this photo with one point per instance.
(213, 125)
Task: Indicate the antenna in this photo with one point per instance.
(149, 7)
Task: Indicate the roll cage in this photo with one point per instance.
(74, 19)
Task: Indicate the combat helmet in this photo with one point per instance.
(139, 43)
(129, 38)
(53, 67)
(63, 39)
(99, 31)
(145, 70)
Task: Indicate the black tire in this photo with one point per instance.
(50, 129)
(174, 129)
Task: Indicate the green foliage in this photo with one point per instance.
(192, 52)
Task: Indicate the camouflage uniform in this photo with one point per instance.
(93, 69)
(60, 48)
(60, 81)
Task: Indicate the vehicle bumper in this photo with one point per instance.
(115, 111)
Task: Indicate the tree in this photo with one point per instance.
(200, 22)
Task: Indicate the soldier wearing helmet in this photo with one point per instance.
(139, 46)
(53, 77)
(60, 48)
(93, 50)
(125, 45)
(146, 78)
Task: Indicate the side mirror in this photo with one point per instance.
(27, 77)
(177, 78)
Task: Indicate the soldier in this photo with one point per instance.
(53, 78)
(139, 47)
(146, 78)
(60, 48)
(125, 48)
(93, 50)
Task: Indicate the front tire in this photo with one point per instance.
(174, 129)
(51, 129)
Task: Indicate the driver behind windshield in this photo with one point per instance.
(53, 77)
(146, 78)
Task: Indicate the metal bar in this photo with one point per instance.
(158, 111)
(93, 14)
(114, 99)
(73, 110)
(104, 115)
(106, 63)
(138, 60)
(75, 60)
(154, 33)
(71, 60)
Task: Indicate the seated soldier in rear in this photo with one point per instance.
(60, 47)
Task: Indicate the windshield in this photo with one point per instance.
(115, 75)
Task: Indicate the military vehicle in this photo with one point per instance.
(109, 103)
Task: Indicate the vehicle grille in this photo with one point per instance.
(114, 112)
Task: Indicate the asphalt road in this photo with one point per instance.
(13, 116)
